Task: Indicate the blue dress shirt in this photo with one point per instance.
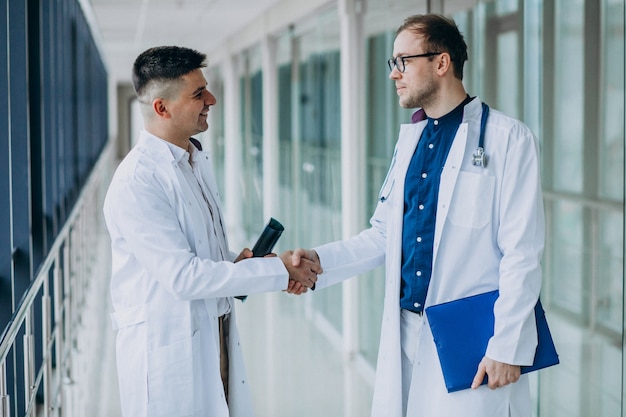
(421, 190)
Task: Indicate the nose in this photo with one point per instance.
(209, 98)
(394, 74)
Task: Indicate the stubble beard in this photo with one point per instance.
(420, 98)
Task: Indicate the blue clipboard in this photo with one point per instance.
(461, 330)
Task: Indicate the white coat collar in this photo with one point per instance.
(472, 110)
(162, 148)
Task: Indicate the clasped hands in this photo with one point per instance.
(303, 266)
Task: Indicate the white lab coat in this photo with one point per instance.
(168, 288)
(489, 234)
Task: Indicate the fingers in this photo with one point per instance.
(307, 255)
(480, 376)
(499, 374)
(245, 253)
(296, 288)
(298, 254)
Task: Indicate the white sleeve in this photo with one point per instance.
(146, 236)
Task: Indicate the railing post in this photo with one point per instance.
(67, 326)
(46, 336)
(59, 327)
(4, 394)
(29, 359)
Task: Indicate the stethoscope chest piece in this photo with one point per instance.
(479, 158)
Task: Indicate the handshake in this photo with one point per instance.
(303, 266)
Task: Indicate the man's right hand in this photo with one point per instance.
(302, 269)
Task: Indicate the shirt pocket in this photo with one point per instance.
(170, 379)
(472, 200)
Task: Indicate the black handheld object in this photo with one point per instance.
(268, 238)
(265, 243)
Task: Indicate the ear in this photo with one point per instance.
(160, 108)
(444, 64)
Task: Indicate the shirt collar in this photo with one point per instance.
(420, 114)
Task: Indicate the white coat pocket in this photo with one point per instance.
(170, 379)
(472, 200)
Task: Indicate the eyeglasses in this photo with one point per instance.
(400, 63)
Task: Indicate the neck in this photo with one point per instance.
(178, 140)
(449, 98)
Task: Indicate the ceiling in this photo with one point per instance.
(128, 27)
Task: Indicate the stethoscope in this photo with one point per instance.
(479, 157)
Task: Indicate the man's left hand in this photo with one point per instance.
(498, 374)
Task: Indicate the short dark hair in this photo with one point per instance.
(440, 34)
(164, 63)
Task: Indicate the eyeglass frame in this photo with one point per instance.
(393, 62)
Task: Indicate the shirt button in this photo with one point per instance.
(421, 207)
(436, 122)
(424, 175)
(419, 239)
(431, 146)
(418, 273)
(416, 305)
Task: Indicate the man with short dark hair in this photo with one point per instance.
(173, 275)
(455, 217)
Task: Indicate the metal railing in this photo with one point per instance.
(57, 294)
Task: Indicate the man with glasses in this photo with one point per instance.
(457, 215)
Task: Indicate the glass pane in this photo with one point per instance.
(508, 73)
(319, 152)
(566, 277)
(289, 216)
(589, 373)
(384, 113)
(504, 7)
(6, 299)
(532, 66)
(612, 147)
(252, 146)
(371, 297)
(213, 138)
(569, 79)
(610, 261)
(382, 124)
